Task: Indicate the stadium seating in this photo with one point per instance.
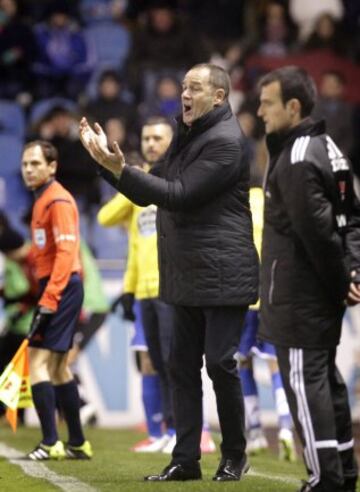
(12, 119)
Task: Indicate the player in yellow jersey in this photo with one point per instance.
(155, 138)
(249, 346)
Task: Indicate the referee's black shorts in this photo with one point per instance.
(58, 335)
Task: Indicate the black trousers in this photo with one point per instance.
(319, 405)
(215, 332)
(158, 321)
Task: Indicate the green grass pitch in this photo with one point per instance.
(115, 468)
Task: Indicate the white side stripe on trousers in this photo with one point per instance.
(344, 446)
(333, 443)
(298, 386)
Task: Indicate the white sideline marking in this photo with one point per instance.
(71, 484)
(39, 470)
(278, 478)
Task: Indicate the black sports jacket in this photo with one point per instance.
(311, 239)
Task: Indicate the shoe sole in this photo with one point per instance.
(83, 458)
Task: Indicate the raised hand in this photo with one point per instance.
(95, 142)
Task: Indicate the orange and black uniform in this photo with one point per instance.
(56, 245)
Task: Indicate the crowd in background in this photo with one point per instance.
(120, 61)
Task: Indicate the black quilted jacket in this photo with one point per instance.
(206, 251)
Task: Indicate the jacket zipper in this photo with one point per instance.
(272, 281)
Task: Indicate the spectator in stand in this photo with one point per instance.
(166, 103)
(305, 12)
(59, 126)
(62, 66)
(277, 34)
(164, 45)
(116, 131)
(94, 11)
(110, 103)
(221, 22)
(231, 59)
(37, 10)
(337, 113)
(328, 35)
(255, 144)
(17, 50)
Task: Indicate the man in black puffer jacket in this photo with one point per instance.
(207, 259)
(310, 270)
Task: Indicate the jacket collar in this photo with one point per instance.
(185, 133)
(39, 191)
(276, 142)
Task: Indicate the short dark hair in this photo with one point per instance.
(157, 120)
(49, 151)
(109, 74)
(218, 77)
(295, 83)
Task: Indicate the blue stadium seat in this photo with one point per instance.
(93, 11)
(12, 119)
(44, 106)
(108, 43)
(10, 154)
(15, 197)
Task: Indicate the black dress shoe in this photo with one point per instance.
(231, 469)
(178, 473)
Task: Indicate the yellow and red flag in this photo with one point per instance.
(15, 388)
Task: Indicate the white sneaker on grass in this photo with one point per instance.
(152, 444)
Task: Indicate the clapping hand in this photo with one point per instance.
(95, 142)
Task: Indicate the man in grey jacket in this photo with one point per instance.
(207, 260)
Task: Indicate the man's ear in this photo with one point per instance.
(53, 165)
(219, 97)
(295, 107)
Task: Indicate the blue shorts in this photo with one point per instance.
(249, 345)
(58, 335)
(138, 341)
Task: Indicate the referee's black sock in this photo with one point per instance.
(44, 401)
(68, 397)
